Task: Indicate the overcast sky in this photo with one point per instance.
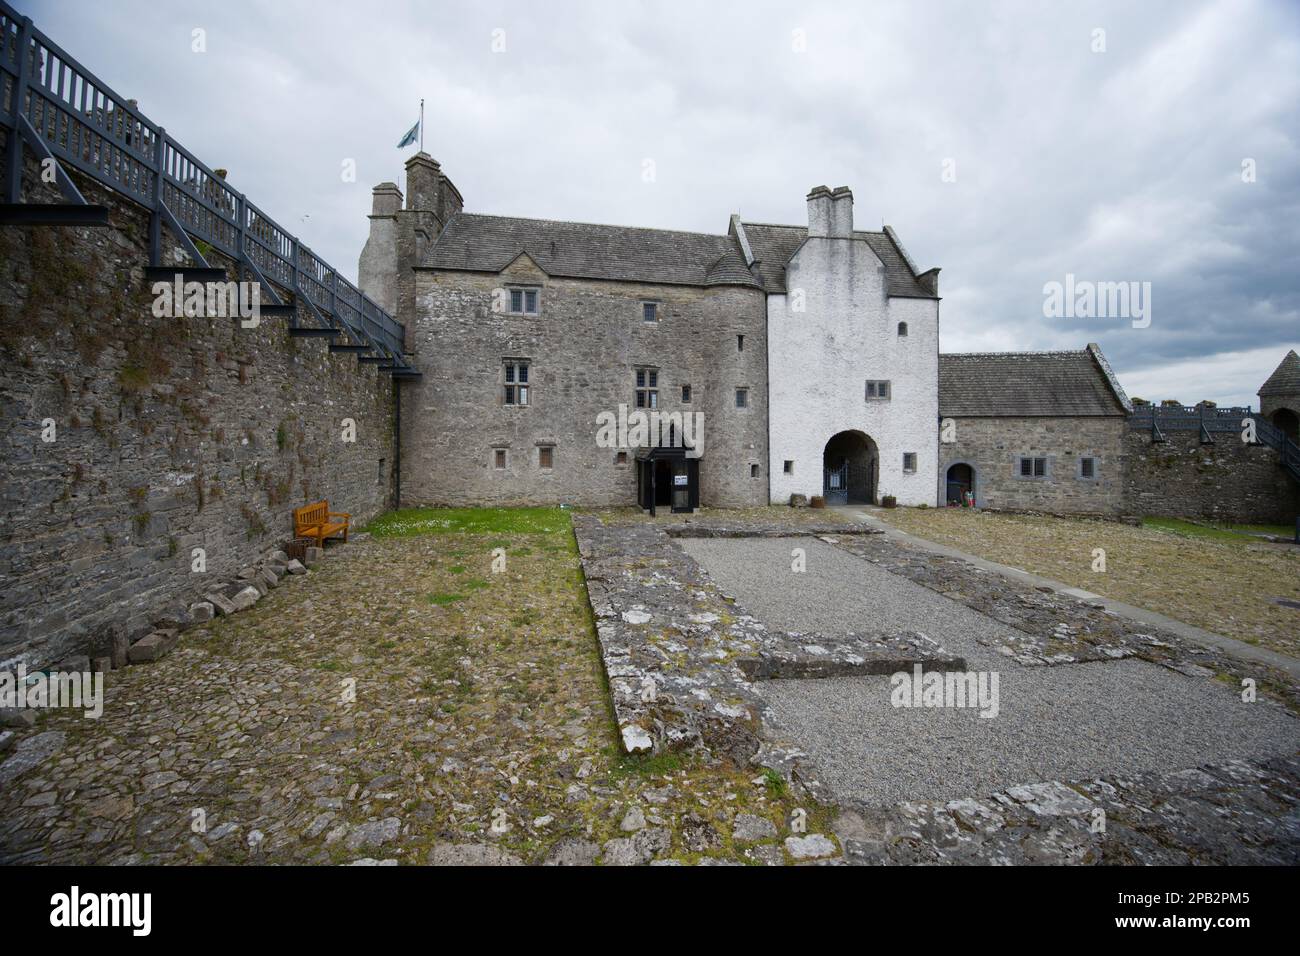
(1122, 164)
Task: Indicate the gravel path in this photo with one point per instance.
(1062, 722)
(838, 593)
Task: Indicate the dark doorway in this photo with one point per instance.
(1288, 421)
(961, 483)
(849, 469)
(667, 478)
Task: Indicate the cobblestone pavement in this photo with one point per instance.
(480, 733)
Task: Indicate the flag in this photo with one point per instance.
(410, 136)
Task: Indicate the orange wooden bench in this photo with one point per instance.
(317, 521)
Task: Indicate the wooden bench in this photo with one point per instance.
(317, 521)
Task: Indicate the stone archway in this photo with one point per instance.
(960, 481)
(850, 468)
(1288, 421)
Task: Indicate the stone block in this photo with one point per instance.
(314, 556)
(296, 567)
(153, 646)
(246, 597)
(267, 578)
(111, 640)
(201, 611)
(101, 665)
(220, 603)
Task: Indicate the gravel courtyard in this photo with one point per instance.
(1076, 720)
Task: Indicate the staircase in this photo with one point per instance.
(1272, 436)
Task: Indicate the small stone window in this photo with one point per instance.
(499, 459)
(742, 398)
(516, 384)
(753, 471)
(877, 391)
(789, 467)
(650, 312)
(647, 388)
(620, 458)
(902, 330)
(1087, 467)
(525, 301)
(740, 343)
(909, 462)
(686, 394)
(545, 457)
(1032, 467)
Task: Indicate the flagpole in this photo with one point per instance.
(422, 124)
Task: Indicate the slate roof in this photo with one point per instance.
(479, 243)
(1285, 378)
(773, 246)
(1025, 384)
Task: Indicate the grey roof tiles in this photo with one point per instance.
(1010, 384)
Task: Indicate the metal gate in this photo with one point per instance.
(835, 484)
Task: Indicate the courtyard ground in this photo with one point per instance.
(403, 702)
(1231, 584)
(1094, 719)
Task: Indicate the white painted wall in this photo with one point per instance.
(820, 359)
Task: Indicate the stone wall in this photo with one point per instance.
(169, 435)
(583, 349)
(993, 447)
(1223, 481)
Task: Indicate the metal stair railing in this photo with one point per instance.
(62, 111)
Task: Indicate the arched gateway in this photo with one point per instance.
(850, 465)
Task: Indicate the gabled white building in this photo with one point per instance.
(853, 358)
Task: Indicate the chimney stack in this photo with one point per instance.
(842, 213)
(830, 213)
(819, 212)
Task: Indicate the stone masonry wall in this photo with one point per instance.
(993, 446)
(583, 350)
(170, 434)
(1223, 481)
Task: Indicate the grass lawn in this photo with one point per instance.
(1216, 578)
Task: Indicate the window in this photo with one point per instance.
(545, 457)
(789, 467)
(1031, 467)
(649, 311)
(753, 471)
(499, 459)
(877, 391)
(523, 301)
(516, 386)
(909, 462)
(1087, 467)
(740, 343)
(620, 458)
(742, 398)
(647, 388)
(686, 394)
(902, 330)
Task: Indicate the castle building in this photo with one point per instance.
(598, 365)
